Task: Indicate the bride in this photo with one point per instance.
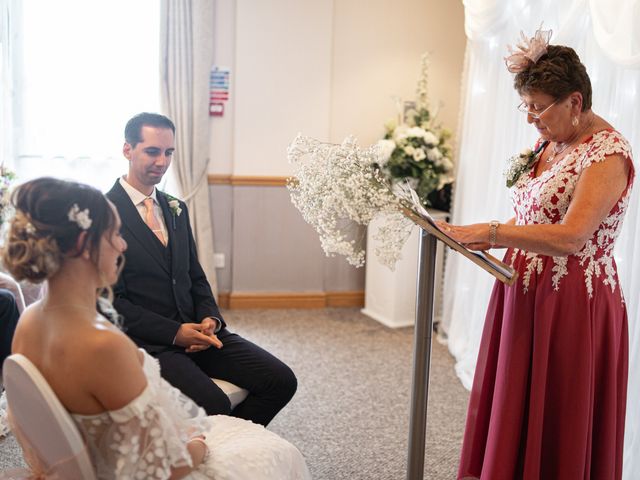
(136, 425)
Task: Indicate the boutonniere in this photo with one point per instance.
(174, 206)
(521, 163)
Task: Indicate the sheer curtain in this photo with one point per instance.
(8, 9)
(187, 48)
(491, 130)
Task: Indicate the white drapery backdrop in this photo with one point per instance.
(605, 35)
(7, 36)
(187, 56)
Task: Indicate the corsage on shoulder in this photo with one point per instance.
(528, 51)
(521, 163)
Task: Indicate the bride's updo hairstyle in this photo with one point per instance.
(50, 214)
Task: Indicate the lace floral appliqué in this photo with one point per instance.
(144, 439)
(545, 200)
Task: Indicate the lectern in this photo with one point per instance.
(429, 235)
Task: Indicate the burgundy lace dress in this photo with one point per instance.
(549, 391)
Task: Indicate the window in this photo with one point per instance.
(81, 69)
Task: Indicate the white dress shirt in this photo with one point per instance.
(138, 198)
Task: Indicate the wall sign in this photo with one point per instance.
(218, 90)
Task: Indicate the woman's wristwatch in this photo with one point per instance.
(493, 232)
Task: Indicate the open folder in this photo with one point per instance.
(503, 272)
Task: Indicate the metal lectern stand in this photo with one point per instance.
(421, 355)
(429, 234)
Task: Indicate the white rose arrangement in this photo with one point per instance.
(417, 151)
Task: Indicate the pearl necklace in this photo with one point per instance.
(569, 143)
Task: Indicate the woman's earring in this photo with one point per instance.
(575, 121)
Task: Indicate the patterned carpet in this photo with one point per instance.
(350, 415)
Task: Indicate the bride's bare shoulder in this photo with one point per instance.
(106, 363)
(30, 312)
(97, 358)
(103, 340)
(117, 375)
(26, 330)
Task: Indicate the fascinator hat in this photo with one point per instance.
(528, 51)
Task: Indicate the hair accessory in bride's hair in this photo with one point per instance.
(25, 222)
(80, 217)
(528, 51)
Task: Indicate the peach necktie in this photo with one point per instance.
(152, 222)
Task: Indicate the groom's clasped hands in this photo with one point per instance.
(195, 337)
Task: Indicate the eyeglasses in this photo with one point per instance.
(536, 116)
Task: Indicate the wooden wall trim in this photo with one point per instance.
(346, 299)
(246, 180)
(223, 300)
(282, 300)
(216, 179)
(310, 300)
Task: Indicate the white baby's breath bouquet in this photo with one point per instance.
(417, 150)
(339, 190)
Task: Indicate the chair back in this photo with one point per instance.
(43, 422)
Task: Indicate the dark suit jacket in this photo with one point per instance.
(159, 287)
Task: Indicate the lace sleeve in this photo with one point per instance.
(147, 437)
(134, 448)
(604, 144)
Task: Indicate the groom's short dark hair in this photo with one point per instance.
(133, 129)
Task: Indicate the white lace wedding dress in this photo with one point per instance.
(144, 439)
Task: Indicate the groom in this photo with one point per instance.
(165, 299)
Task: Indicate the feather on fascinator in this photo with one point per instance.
(528, 51)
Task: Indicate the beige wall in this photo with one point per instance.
(376, 56)
(327, 69)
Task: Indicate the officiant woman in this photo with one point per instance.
(550, 386)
